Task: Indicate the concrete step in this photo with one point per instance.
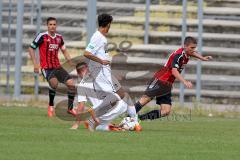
(163, 51)
(4, 58)
(137, 22)
(154, 64)
(210, 26)
(209, 82)
(29, 31)
(78, 6)
(155, 37)
(223, 3)
(174, 38)
(224, 55)
(209, 39)
(122, 1)
(136, 78)
(175, 11)
(208, 3)
(208, 96)
(5, 45)
(141, 63)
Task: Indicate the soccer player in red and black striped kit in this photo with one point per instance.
(49, 43)
(161, 84)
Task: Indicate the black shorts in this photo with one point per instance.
(159, 89)
(166, 99)
(60, 73)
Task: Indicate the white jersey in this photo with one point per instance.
(86, 93)
(98, 47)
(101, 73)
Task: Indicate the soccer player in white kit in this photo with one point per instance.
(99, 67)
(86, 93)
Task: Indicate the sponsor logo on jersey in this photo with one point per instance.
(53, 46)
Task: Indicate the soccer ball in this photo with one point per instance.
(128, 123)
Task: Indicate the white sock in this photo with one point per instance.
(131, 108)
(102, 127)
(132, 113)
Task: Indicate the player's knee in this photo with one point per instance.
(53, 82)
(121, 93)
(165, 111)
(70, 85)
(53, 86)
(69, 82)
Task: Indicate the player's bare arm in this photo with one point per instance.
(66, 55)
(33, 57)
(203, 58)
(95, 58)
(80, 107)
(176, 74)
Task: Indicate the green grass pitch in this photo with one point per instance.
(27, 134)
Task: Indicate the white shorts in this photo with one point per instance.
(103, 79)
(106, 83)
(120, 108)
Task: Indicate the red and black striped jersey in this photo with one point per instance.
(177, 59)
(48, 49)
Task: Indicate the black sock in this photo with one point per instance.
(70, 100)
(138, 106)
(154, 114)
(52, 94)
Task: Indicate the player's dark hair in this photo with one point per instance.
(51, 19)
(104, 19)
(189, 40)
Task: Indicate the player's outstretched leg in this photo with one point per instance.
(142, 102)
(131, 108)
(155, 114)
(107, 103)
